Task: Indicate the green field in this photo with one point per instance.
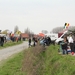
(38, 61)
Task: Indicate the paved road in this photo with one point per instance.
(5, 53)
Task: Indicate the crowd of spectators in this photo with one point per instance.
(6, 38)
(68, 44)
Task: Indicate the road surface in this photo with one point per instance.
(6, 52)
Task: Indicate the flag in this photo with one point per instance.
(66, 25)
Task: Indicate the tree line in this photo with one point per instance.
(28, 31)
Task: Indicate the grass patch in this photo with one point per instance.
(33, 61)
(13, 66)
(56, 64)
(48, 62)
(38, 61)
(8, 44)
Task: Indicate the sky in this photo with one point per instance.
(37, 15)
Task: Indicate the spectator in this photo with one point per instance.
(33, 41)
(71, 42)
(64, 46)
(2, 41)
(29, 42)
(16, 39)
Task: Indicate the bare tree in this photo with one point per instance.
(72, 28)
(59, 29)
(16, 29)
(44, 31)
(27, 31)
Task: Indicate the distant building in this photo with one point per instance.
(24, 36)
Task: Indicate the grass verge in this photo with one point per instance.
(48, 62)
(38, 61)
(56, 64)
(33, 60)
(13, 65)
(8, 44)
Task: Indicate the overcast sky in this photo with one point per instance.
(37, 15)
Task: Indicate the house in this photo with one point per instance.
(24, 36)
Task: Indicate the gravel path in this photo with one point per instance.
(6, 52)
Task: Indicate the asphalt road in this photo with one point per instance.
(7, 52)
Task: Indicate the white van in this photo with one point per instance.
(53, 36)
